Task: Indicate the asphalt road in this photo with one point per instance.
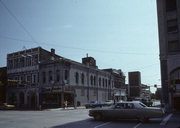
(67, 119)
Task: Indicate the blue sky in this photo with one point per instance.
(120, 34)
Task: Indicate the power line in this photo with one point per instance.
(144, 67)
(62, 46)
(15, 39)
(18, 21)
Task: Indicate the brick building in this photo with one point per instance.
(42, 78)
(134, 86)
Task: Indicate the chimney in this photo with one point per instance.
(53, 51)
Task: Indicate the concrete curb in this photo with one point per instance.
(62, 109)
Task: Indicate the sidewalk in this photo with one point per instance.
(68, 108)
(174, 121)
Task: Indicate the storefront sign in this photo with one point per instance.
(58, 89)
(46, 90)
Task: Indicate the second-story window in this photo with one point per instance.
(44, 77)
(16, 63)
(106, 82)
(66, 74)
(91, 79)
(22, 62)
(82, 78)
(94, 80)
(57, 75)
(28, 61)
(99, 82)
(103, 82)
(50, 76)
(77, 77)
(109, 83)
(112, 84)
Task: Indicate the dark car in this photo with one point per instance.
(93, 104)
(127, 110)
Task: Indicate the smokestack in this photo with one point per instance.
(53, 51)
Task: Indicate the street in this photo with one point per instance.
(58, 118)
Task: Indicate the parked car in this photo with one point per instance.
(108, 103)
(93, 104)
(127, 110)
(147, 102)
(5, 106)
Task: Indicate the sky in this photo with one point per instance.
(119, 34)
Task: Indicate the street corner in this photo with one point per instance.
(171, 120)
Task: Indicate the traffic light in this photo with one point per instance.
(155, 85)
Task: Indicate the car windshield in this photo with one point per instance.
(142, 105)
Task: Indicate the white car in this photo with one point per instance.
(108, 103)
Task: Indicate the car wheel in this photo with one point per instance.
(143, 119)
(98, 116)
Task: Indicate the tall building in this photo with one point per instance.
(169, 44)
(134, 84)
(3, 84)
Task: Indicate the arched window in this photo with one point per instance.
(103, 82)
(44, 77)
(106, 82)
(99, 81)
(91, 79)
(82, 78)
(57, 75)
(66, 75)
(77, 77)
(94, 80)
(109, 83)
(50, 76)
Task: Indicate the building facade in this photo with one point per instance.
(169, 36)
(145, 91)
(23, 76)
(134, 86)
(119, 83)
(48, 80)
(3, 84)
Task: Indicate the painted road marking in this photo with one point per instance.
(165, 120)
(102, 124)
(137, 125)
